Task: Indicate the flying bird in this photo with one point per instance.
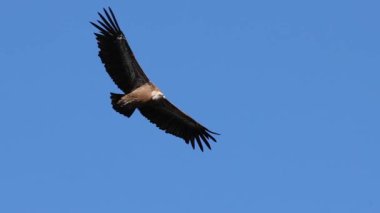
(139, 92)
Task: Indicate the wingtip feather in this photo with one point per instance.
(114, 18)
(205, 141)
(110, 20)
(199, 142)
(192, 143)
(215, 133)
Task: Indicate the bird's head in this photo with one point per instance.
(156, 95)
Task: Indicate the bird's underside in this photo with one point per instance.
(139, 93)
(125, 104)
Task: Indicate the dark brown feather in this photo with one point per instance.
(169, 118)
(116, 54)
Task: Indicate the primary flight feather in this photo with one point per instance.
(139, 92)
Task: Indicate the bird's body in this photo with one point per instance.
(139, 92)
(138, 97)
(142, 95)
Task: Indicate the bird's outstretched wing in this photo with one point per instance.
(116, 54)
(169, 118)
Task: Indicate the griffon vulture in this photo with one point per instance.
(139, 92)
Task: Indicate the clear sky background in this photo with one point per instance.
(292, 86)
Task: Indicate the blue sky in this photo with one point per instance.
(292, 86)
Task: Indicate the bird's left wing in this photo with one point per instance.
(169, 118)
(116, 54)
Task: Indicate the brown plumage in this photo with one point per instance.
(140, 93)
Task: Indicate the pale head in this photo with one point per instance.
(156, 94)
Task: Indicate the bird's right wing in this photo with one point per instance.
(169, 118)
(116, 54)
